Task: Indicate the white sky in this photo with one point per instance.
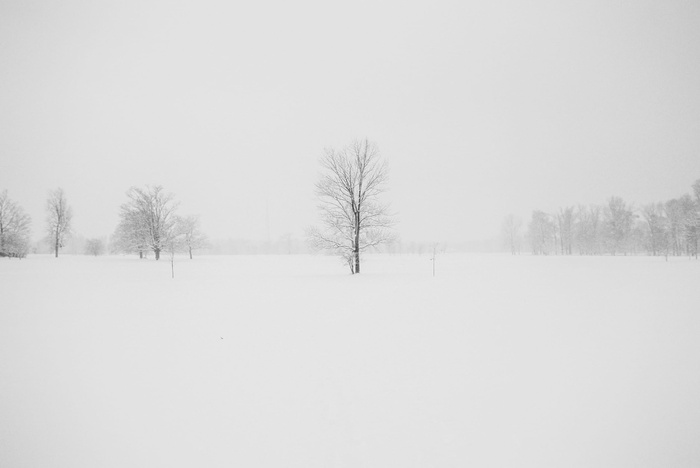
(481, 108)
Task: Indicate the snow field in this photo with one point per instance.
(290, 361)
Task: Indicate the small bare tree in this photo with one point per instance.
(192, 236)
(353, 218)
(94, 247)
(58, 219)
(511, 233)
(174, 244)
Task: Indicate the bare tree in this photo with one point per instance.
(653, 214)
(147, 221)
(174, 244)
(353, 218)
(192, 237)
(690, 226)
(541, 230)
(587, 228)
(14, 228)
(619, 219)
(565, 222)
(94, 247)
(695, 218)
(58, 219)
(676, 221)
(130, 235)
(696, 190)
(511, 233)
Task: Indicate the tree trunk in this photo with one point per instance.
(190, 253)
(356, 247)
(561, 238)
(157, 252)
(56, 246)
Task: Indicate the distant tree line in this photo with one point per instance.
(616, 228)
(148, 222)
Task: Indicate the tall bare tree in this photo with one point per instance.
(14, 228)
(147, 221)
(58, 219)
(353, 217)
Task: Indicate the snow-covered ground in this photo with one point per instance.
(289, 361)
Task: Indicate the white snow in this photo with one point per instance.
(290, 361)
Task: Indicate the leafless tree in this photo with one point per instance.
(192, 236)
(147, 221)
(676, 223)
(619, 219)
(695, 218)
(174, 244)
(94, 247)
(588, 229)
(352, 215)
(653, 214)
(565, 222)
(511, 233)
(696, 190)
(691, 229)
(58, 219)
(130, 234)
(541, 230)
(14, 228)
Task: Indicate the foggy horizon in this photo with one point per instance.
(479, 110)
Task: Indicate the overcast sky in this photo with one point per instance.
(480, 108)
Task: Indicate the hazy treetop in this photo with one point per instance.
(479, 109)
